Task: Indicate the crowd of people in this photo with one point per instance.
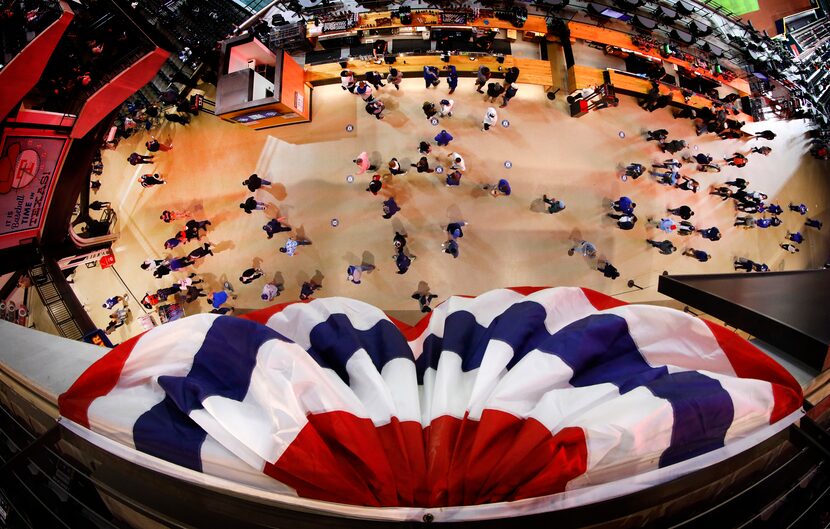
(435, 155)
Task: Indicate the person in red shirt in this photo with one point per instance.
(737, 159)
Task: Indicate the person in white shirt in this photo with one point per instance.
(270, 291)
(457, 162)
(490, 118)
(347, 80)
(446, 107)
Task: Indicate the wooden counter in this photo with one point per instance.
(582, 76)
(610, 37)
(533, 71)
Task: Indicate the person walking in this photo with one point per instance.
(453, 178)
(700, 255)
(347, 80)
(673, 146)
(554, 205)
(290, 247)
(395, 167)
(608, 270)
(684, 227)
(364, 91)
(713, 233)
(666, 247)
(482, 77)
(423, 165)
(511, 75)
(399, 241)
(747, 221)
(374, 78)
(200, 252)
(254, 182)
(443, 138)
(424, 148)
(431, 76)
(138, 159)
(799, 208)
(761, 150)
(684, 212)
(250, 275)
(634, 171)
(666, 225)
(363, 163)
(252, 204)
(457, 162)
(737, 159)
(585, 248)
(813, 223)
(395, 78)
(775, 209)
(454, 229)
(177, 263)
(624, 205)
(375, 184)
(109, 303)
(494, 90)
(451, 247)
(429, 109)
(687, 184)
(452, 77)
(168, 215)
(270, 291)
(275, 226)
(149, 180)
(375, 108)
(796, 237)
(490, 118)
(390, 207)
(659, 135)
(98, 205)
(355, 273)
(765, 134)
(308, 288)
(500, 188)
(219, 298)
(446, 107)
(509, 93)
(742, 263)
(789, 247)
(424, 299)
(624, 221)
(402, 262)
(154, 145)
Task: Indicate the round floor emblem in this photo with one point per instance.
(508, 164)
(335, 223)
(434, 121)
(439, 170)
(505, 123)
(696, 147)
(350, 179)
(349, 128)
(621, 134)
(624, 177)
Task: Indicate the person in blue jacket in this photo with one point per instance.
(452, 77)
(431, 76)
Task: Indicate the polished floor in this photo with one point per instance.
(509, 240)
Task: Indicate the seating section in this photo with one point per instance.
(21, 21)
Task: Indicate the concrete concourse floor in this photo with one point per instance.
(510, 241)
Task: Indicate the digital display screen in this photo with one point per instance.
(256, 116)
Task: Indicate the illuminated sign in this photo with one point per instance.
(97, 337)
(256, 116)
(27, 173)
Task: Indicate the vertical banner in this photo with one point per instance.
(27, 175)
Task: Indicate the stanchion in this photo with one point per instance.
(632, 284)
